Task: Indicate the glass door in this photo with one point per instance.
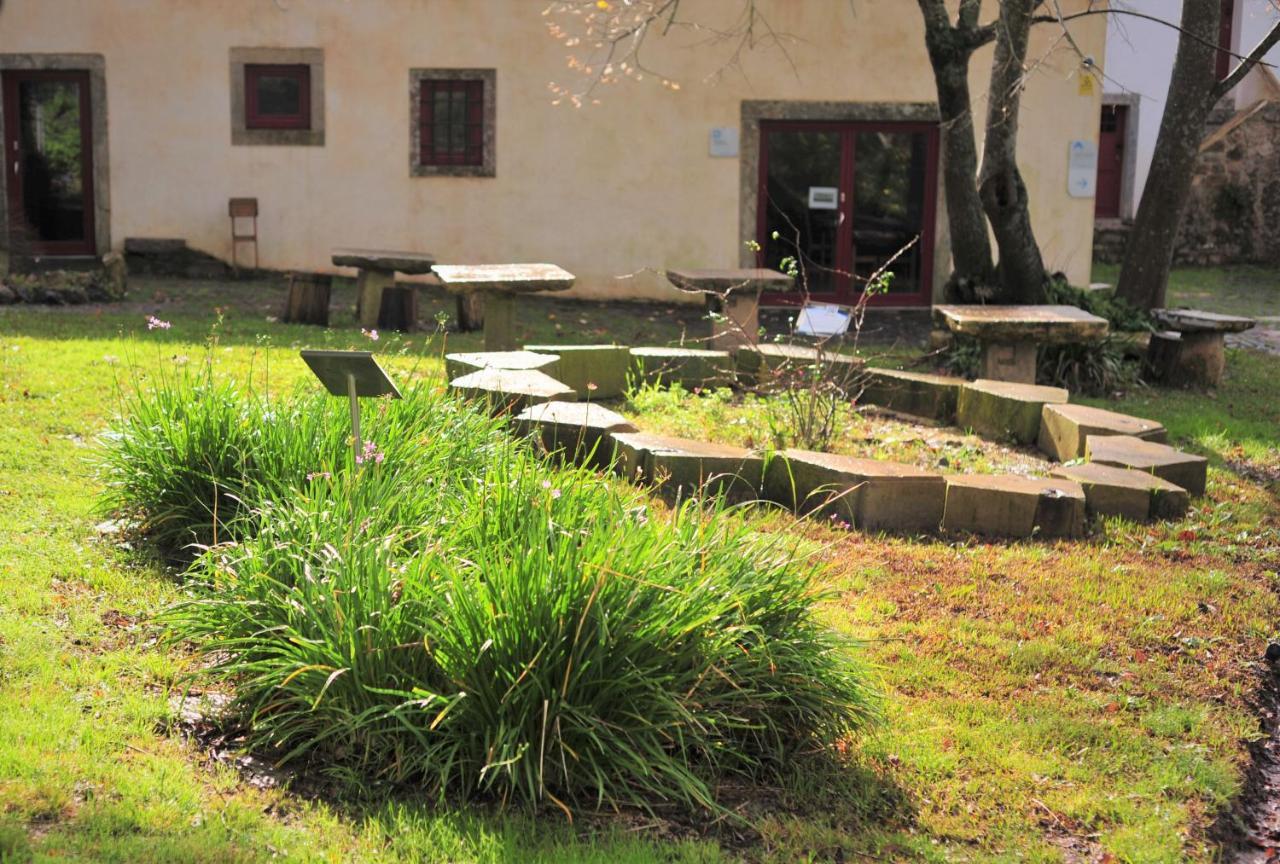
(48, 160)
(845, 200)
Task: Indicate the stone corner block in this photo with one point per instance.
(594, 371)
(1064, 428)
(1013, 506)
(1126, 451)
(918, 394)
(683, 468)
(510, 391)
(1133, 495)
(457, 365)
(577, 432)
(1004, 409)
(689, 367)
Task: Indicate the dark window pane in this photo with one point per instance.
(279, 95)
(888, 204)
(52, 147)
(452, 122)
(803, 179)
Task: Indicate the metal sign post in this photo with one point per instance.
(352, 374)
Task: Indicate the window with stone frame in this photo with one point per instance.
(277, 96)
(452, 114)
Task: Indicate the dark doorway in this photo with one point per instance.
(844, 199)
(49, 162)
(1106, 203)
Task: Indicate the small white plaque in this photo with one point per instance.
(724, 141)
(1082, 169)
(824, 198)
(823, 319)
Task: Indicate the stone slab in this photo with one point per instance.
(578, 432)
(681, 467)
(689, 367)
(1041, 324)
(511, 390)
(1196, 321)
(457, 365)
(755, 362)
(1133, 495)
(1005, 505)
(727, 280)
(504, 278)
(1064, 428)
(1125, 451)
(916, 393)
(594, 371)
(385, 260)
(871, 494)
(1004, 409)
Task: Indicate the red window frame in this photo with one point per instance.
(254, 72)
(1222, 60)
(471, 93)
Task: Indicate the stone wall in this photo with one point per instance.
(1234, 208)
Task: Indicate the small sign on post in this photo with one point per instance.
(353, 374)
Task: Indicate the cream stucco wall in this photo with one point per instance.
(603, 190)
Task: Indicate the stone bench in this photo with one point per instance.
(1126, 451)
(1003, 409)
(733, 299)
(376, 280)
(501, 284)
(870, 494)
(1064, 428)
(457, 365)
(594, 371)
(917, 394)
(688, 367)
(1191, 351)
(577, 432)
(681, 468)
(510, 390)
(1133, 495)
(1010, 335)
(1005, 505)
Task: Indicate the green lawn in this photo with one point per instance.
(1046, 701)
(1239, 290)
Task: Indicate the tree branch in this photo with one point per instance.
(1242, 69)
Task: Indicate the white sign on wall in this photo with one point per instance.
(724, 141)
(1082, 169)
(823, 198)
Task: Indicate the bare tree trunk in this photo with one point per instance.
(1004, 194)
(950, 48)
(1193, 91)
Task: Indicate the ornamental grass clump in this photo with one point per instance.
(463, 618)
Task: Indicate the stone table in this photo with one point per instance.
(1011, 334)
(1192, 350)
(377, 272)
(500, 284)
(735, 296)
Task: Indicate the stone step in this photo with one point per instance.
(457, 365)
(578, 432)
(510, 390)
(916, 393)
(871, 494)
(689, 367)
(1133, 495)
(1125, 451)
(594, 371)
(1063, 429)
(756, 362)
(1004, 409)
(682, 467)
(1006, 505)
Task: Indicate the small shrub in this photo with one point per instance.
(462, 617)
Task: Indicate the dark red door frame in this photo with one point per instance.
(846, 292)
(13, 156)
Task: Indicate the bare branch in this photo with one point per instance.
(1242, 68)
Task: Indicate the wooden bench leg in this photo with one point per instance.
(307, 301)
